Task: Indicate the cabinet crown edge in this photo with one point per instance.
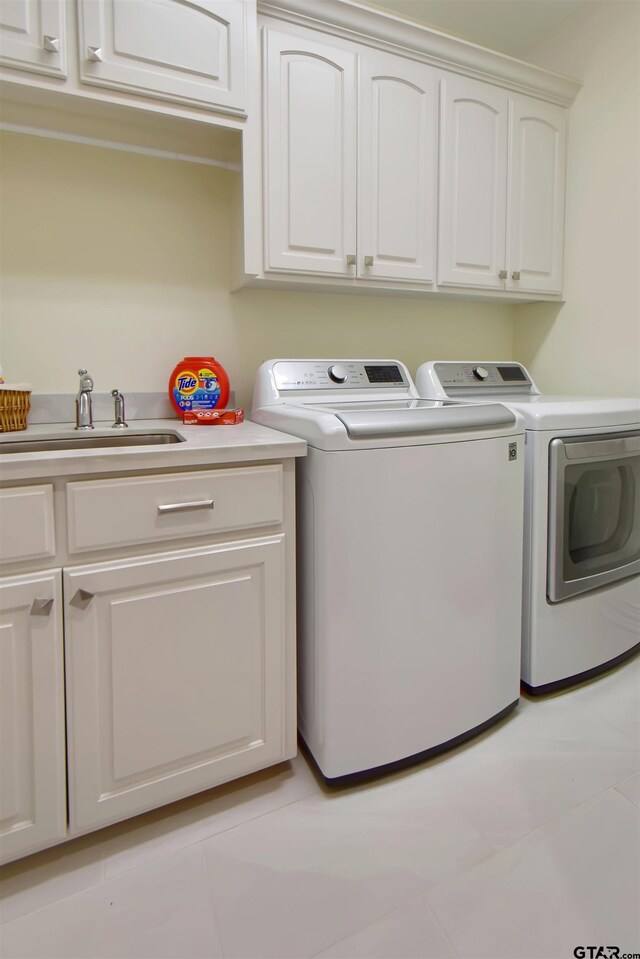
(385, 30)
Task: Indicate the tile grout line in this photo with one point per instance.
(439, 925)
(204, 839)
(212, 905)
(553, 820)
(380, 918)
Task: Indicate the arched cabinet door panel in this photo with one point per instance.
(473, 184)
(397, 169)
(536, 221)
(310, 153)
(188, 51)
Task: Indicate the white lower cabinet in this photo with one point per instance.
(169, 665)
(175, 675)
(33, 804)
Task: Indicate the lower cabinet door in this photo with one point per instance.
(33, 805)
(175, 675)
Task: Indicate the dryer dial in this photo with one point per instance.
(480, 373)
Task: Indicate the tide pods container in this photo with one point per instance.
(198, 383)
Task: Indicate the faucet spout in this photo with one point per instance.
(84, 411)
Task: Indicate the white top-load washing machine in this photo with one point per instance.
(409, 561)
(581, 591)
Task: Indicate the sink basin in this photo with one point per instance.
(82, 441)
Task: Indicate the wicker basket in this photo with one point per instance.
(14, 407)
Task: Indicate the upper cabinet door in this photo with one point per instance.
(33, 797)
(188, 51)
(32, 36)
(536, 224)
(310, 185)
(473, 184)
(397, 169)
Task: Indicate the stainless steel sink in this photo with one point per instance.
(81, 441)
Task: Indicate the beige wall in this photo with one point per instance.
(592, 344)
(119, 262)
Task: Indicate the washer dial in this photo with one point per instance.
(337, 373)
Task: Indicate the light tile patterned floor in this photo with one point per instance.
(524, 843)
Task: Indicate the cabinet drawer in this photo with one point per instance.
(26, 523)
(148, 509)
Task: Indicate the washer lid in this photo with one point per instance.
(420, 420)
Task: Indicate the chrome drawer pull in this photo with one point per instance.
(185, 507)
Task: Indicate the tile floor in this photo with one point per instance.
(524, 843)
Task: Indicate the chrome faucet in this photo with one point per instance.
(84, 413)
(119, 423)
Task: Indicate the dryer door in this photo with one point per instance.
(594, 512)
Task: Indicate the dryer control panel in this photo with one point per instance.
(459, 378)
(338, 374)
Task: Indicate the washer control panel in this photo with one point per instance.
(511, 377)
(339, 374)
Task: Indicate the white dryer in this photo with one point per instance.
(409, 561)
(581, 590)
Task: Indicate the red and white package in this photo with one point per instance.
(212, 417)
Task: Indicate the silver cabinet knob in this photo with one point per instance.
(95, 54)
(368, 261)
(351, 259)
(81, 599)
(515, 275)
(52, 44)
(503, 274)
(41, 607)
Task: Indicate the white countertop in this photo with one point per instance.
(203, 446)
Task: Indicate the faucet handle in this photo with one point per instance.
(119, 423)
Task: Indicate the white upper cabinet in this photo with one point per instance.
(189, 52)
(397, 169)
(536, 221)
(33, 800)
(502, 189)
(310, 156)
(333, 210)
(473, 184)
(32, 36)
